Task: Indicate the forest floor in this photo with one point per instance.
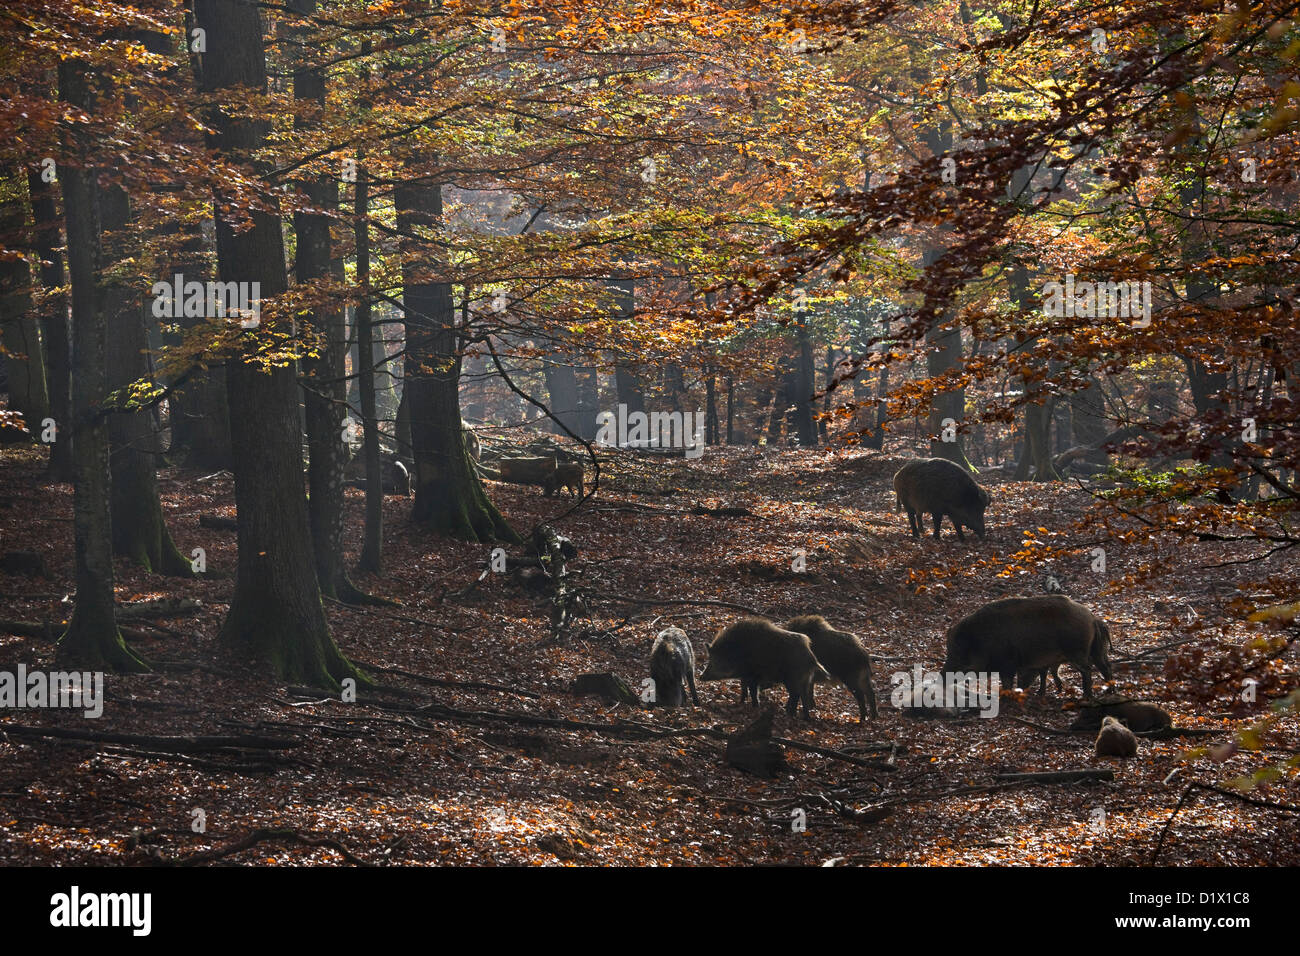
(506, 774)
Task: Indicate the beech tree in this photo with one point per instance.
(275, 611)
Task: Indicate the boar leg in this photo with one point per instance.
(1085, 671)
(799, 695)
(690, 677)
(792, 704)
(862, 706)
(866, 700)
(957, 524)
(914, 523)
(938, 520)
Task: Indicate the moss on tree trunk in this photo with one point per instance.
(449, 498)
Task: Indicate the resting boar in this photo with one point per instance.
(759, 652)
(936, 486)
(843, 656)
(1023, 634)
(1140, 716)
(1115, 740)
(672, 661)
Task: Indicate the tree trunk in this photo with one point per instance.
(731, 418)
(588, 399)
(449, 498)
(275, 612)
(710, 406)
(627, 385)
(92, 639)
(780, 405)
(804, 383)
(324, 385)
(139, 529)
(942, 355)
(562, 390)
(1038, 408)
(823, 424)
(54, 323)
(372, 547)
(19, 334)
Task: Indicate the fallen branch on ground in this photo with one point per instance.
(265, 836)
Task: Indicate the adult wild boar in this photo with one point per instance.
(843, 656)
(672, 662)
(394, 477)
(1021, 634)
(938, 487)
(760, 653)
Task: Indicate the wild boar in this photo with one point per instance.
(936, 486)
(672, 661)
(1139, 716)
(1023, 634)
(394, 476)
(843, 656)
(568, 475)
(759, 652)
(1115, 740)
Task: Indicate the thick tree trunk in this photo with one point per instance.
(627, 388)
(1088, 422)
(627, 385)
(943, 354)
(275, 613)
(54, 323)
(449, 498)
(139, 530)
(24, 357)
(199, 414)
(588, 399)
(562, 391)
(92, 639)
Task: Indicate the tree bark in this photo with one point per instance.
(562, 390)
(139, 529)
(54, 323)
(275, 613)
(804, 383)
(449, 498)
(19, 333)
(324, 372)
(372, 546)
(92, 639)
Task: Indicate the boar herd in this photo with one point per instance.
(1022, 639)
